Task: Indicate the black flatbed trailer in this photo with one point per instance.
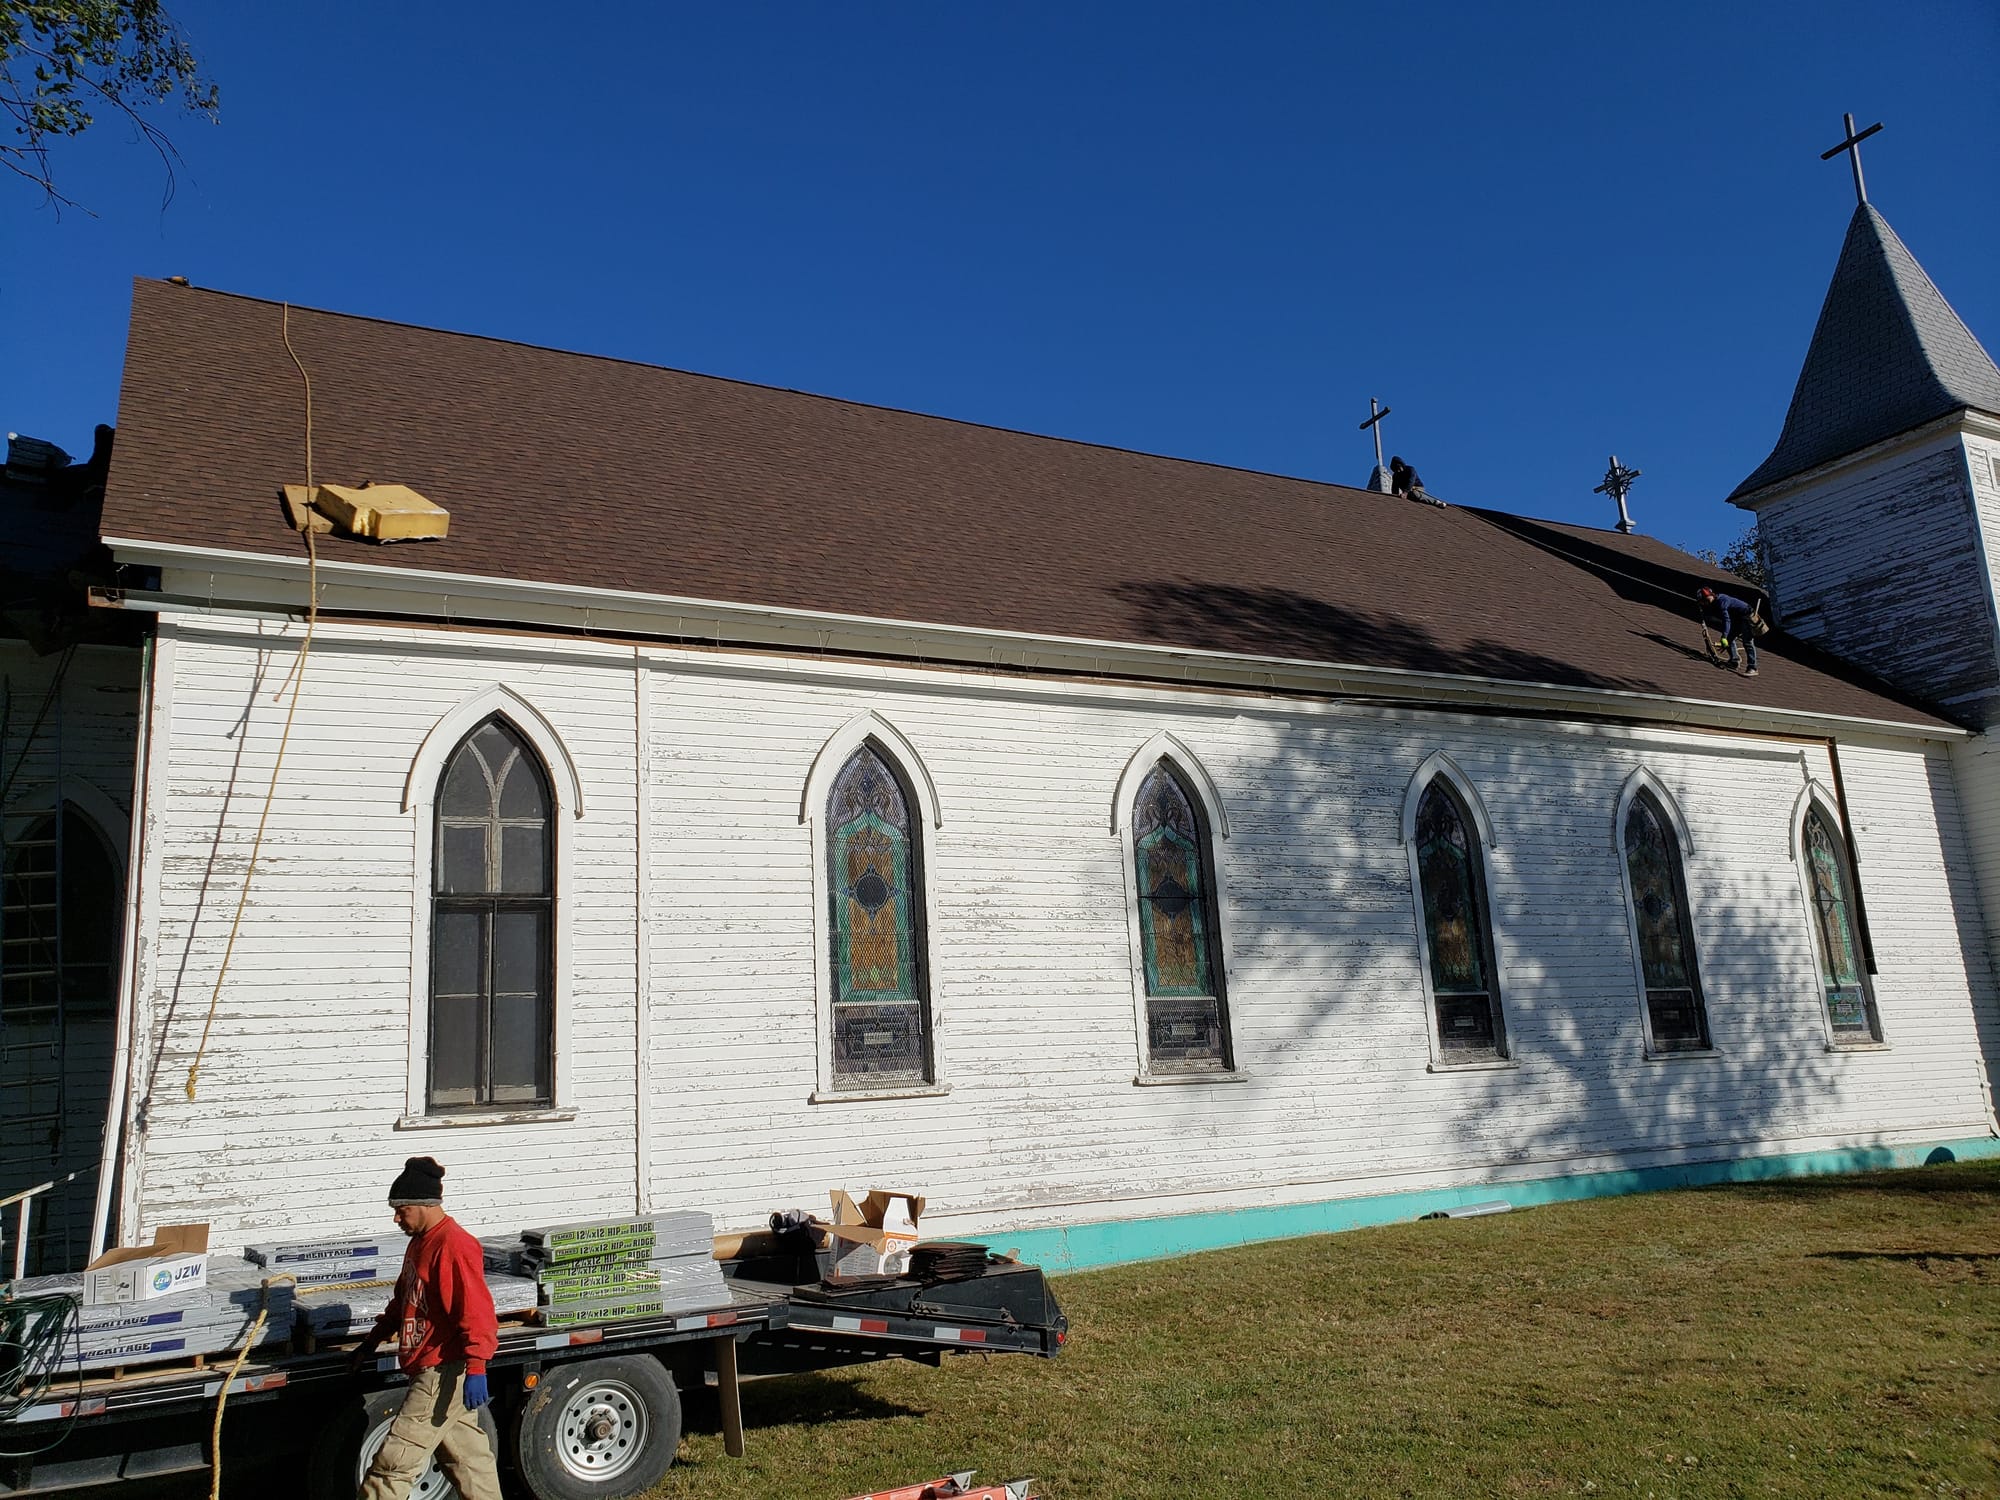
(588, 1413)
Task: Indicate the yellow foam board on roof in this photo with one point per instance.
(382, 512)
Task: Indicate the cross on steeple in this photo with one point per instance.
(1379, 480)
(1852, 146)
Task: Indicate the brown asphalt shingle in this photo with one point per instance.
(687, 485)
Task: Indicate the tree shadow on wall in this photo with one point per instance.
(1326, 987)
(220, 880)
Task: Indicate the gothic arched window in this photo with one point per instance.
(1187, 1026)
(1850, 1004)
(492, 927)
(1675, 1015)
(1457, 934)
(881, 1006)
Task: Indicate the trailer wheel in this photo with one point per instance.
(598, 1429)
(353, 1435)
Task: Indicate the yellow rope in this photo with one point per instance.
(296, 679)
(222, 1396)
(343, 1286)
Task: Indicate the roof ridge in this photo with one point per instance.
(757, 385)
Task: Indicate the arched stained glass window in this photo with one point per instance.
(1186, 1020)
(1850, 1005)
(492, 915)
(1456, 931)
(881, 1020)
(1675, 1014)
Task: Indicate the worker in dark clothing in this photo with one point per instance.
(1738, 627)
(441, 1316)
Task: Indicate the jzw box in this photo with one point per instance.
(176, 1261)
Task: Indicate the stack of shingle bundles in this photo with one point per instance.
(345, 1311)
(337, 1294)
(330, 1262)
(513, 1296)
(657, 1265)
(215, 1319)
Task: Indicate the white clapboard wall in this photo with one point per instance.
(691, 1027)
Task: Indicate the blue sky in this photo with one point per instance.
(1543, 233)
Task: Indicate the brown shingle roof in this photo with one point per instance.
(687, 485)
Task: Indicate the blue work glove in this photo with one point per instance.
(476, 1394)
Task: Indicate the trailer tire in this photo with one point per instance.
(597, 1429)
(354, 1429)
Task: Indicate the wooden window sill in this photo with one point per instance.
(1857, 1046)
(864, 1096)
(485, 1117)
(1681, 1054)
(1171, 1080)
(1475, 1065)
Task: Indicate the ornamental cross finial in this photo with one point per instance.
(1852, 146)
(1617, 484)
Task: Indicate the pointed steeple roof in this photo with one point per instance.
(1888, 355)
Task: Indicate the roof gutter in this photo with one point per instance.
(264, 584)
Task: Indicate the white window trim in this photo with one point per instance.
(1815, 792)
(1643, 780)
(1437, 764)
(420, 790)
(826, 767)
(1195, 777)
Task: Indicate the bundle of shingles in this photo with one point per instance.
(345, 1285)
(654, 1265)
(215, 1319)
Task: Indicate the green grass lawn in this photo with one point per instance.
(1815, 1338)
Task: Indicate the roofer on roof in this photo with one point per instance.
(1740, 622)
(442, 1316)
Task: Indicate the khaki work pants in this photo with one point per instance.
(434, 1420)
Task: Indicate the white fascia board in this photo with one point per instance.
(236, 581)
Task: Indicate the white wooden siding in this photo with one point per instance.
(1031, 990)
(1884, 565)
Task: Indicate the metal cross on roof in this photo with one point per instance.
(1617, 484)
(1852, 146)
(1374, 423)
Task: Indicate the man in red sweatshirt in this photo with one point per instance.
(441, 1316)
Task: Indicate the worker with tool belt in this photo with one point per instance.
(1741, 624)
(442, 1318)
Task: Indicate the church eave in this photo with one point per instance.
(1751, 497)
(261, 585)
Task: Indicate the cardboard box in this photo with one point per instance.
(176, 1261)
(874, 1237)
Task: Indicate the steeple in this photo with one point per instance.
(1889, 355)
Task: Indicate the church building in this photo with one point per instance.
(754, 793)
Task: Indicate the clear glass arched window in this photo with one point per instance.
(492, 927)
(1187, 1022)
(881, 1004)
(1850, 1003)
(1675, 1014)
(1458, 936)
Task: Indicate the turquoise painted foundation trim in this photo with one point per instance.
(1111, 1242)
